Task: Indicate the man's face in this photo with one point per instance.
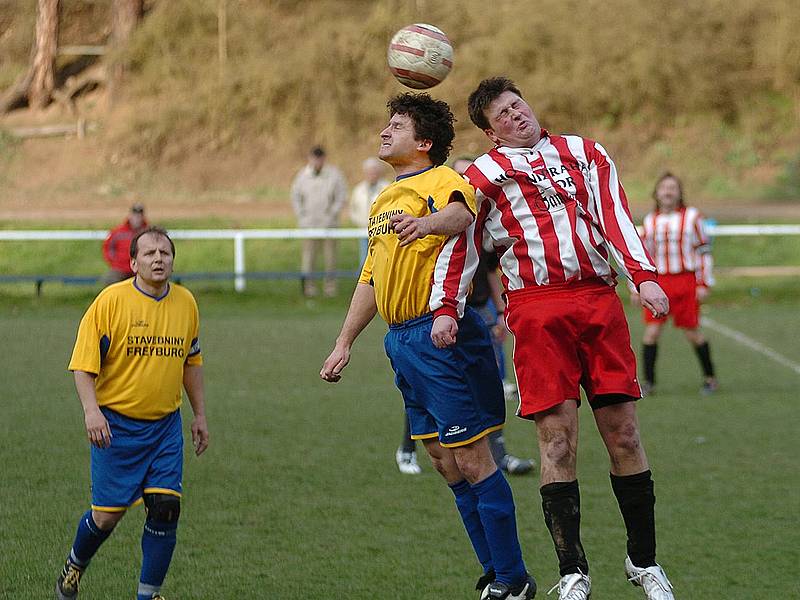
(136, 219)
(668, 194)
(398, 145)
(153, 260)
(512, 122)
(316, 162)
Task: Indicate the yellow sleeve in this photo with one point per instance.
(453, 187)
(366, 270)
(86, 355)
(195, 356)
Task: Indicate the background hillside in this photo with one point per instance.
(707, 88)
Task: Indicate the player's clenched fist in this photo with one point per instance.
(444, 330)
(333, 365)
(409, 228)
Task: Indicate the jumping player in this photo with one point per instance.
(556, 213)
(136, 345)
(676, 238)
(444, 368)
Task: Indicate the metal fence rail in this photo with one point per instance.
(238, 236)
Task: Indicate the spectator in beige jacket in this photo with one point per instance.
(362, 197)
(319, 193)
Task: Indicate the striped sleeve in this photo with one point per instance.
(615, 220)
(455, 268)
(702, 248)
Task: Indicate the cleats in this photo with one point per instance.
(407, 462)
(510, 392)
(516, 466)
(500, 591)
(652, 580)
(709, 386)
(68, 582)
(484, 582)
(573, 586)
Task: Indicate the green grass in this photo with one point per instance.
(298, 495)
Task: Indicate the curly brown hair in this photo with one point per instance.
(432, 120)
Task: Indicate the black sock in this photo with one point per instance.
(637, 504)
(561, 504)
(704, 355)
(408, 444)
(649, 352)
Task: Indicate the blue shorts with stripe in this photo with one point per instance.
(144, 457)
(453, 393)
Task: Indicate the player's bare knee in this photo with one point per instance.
(164, 508)
(625, 440)
(558, 448)
(107, 520)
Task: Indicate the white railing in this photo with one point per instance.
(240, 235)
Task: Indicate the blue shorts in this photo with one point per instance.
(144, 457)
(454, 393)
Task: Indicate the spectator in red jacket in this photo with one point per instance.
(116, 247)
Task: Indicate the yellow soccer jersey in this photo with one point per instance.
(137, 346)
(402, 276)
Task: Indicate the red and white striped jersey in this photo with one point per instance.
(678, 242)
(556, 213)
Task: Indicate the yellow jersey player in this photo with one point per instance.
(441, 353)
(137, 345)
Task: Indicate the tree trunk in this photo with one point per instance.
(125, 16)
(42, 81)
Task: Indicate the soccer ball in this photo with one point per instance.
(420, 56)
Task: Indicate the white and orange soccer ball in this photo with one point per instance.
(420, 56)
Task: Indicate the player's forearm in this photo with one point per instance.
(84, 384)
(451, 220)
(363, 309)
(195, 389)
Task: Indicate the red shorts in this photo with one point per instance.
(570, 336)
(681, 289)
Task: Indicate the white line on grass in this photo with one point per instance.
(751, 343)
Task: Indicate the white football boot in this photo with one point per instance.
(573, 586)
(407, 462)
(652, 580)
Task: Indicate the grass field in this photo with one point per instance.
(298, 495)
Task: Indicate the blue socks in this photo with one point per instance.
(496, 508)
(88, 540)
(158, 543)
(467, 504)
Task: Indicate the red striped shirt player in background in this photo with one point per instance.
(556, 212)
(676, 238)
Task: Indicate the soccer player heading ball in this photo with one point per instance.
(556, 213)
(444, 367)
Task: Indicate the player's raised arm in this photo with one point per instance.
(363, 309)
(451, 220)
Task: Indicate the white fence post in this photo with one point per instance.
(239, 282)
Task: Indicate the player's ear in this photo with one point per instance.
(491, 135)
(424, 145)
(134, 266)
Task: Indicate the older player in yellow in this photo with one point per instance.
(137, 345)
(440, 351)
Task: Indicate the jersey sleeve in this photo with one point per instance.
(611, 206)
(366, 270)
(92, 342)
(454, 188)
(705, 260)
(195, 357)
(455, 268)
